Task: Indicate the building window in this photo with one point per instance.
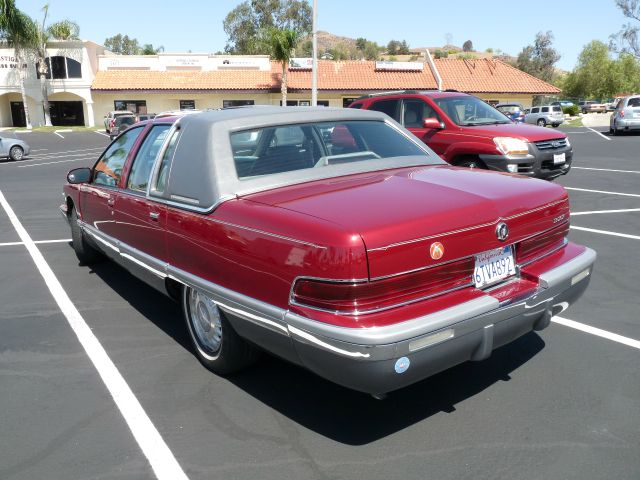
(346, 101)
(135, 106)
(60, 68)
(237, 103)
(305, 103)
(187, 104)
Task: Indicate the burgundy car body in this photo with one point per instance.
(333, 271)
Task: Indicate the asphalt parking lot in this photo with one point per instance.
(563, 403)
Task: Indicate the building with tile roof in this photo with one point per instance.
(169, 81)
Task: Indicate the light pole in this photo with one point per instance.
(314, 55)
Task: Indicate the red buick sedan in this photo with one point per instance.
(332, 238)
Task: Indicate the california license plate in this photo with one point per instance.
(493, 266)
(559, 158)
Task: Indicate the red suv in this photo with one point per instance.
(465, 131)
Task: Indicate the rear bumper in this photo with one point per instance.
(626, 124)
(384, 359)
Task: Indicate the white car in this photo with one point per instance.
(545, 115)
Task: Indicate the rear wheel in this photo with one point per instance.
(16, 153)
(554, 125)
(86, 253)
(541, 122)
(217, 345)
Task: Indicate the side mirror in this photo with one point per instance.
(432, 123)
(79, 175)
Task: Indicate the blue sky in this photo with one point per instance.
(508, 25)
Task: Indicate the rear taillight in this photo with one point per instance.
(352, 298)
(112, 123)
(535, 247)
(621, 113)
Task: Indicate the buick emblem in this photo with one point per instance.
(436, 250)
(502, 231)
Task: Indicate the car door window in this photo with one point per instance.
(535, 110)
(545, 109)
(108, 170)
(415, 111)
(390, 107)
(147, 153)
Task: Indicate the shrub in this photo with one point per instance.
(573, 110)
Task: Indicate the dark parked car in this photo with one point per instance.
(330, 237)
(120, 124)
(514, 111)
(467, 132)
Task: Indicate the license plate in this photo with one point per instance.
(636, 115)
(493, 266)
(559, 158)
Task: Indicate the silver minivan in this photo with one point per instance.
(626, 116)
(545, 115)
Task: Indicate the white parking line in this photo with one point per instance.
(101, 133)
(595, 131)
(605, 170)
(51, 163)
(593, 212)
(161, 459)
(56, 133)
(37, 242)
(606, 232)
(603, 191)
(59, 154)
(597, 331)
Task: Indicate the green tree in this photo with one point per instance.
(597, 75)
(467, 46)
(148, 49)
(122, 44)
(540, 58)
(64, 30)
(244, 24)
(19, 31)
(627, 40)
(281, 43)
(392, 47)
(404, 48)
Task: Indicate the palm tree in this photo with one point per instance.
(18, 31)
(62, 30)
(281, 43)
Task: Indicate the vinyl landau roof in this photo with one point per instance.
(471, 76)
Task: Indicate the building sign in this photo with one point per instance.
(241, 63)
(301, 64)
(406, 66)
(8, 61)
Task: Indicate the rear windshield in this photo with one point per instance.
(509, 108)
(557, 109)
(634, 102)
(469, 111)
(285, 148)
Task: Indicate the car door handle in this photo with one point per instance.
(154, 215)
(111, 201)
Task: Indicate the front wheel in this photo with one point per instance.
(16, 153)
(541, 122)
(86, 253)
(217, 345)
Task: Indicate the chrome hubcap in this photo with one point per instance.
(205, 321)
(17, 154)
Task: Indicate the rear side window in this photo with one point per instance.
(545, 109)
(162, 174)
(390, 107)
(143, 163)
